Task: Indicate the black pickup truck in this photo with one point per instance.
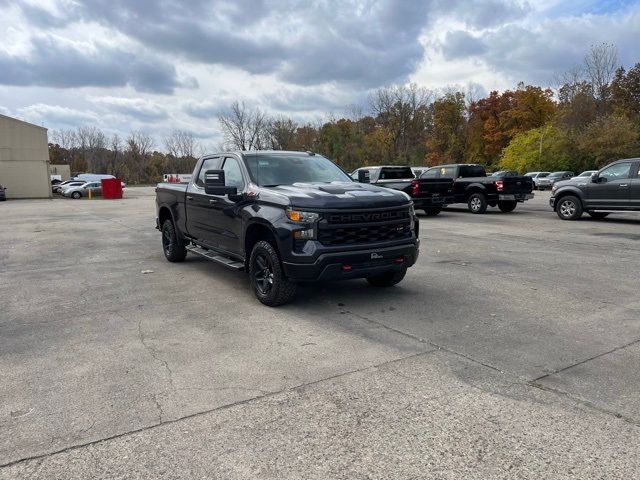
(472, 186)
(428, 194)
(287, 217)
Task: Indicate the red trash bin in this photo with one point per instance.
(111, 188)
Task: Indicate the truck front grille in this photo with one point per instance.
(361, 228)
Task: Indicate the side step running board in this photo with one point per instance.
(216, 257)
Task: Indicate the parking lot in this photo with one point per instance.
(511, 350)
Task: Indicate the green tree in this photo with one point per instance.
(609, 138)
(547, 148)
(626, 91)
(447, 139)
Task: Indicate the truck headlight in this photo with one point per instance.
(303, 217)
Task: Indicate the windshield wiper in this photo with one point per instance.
(274, 185)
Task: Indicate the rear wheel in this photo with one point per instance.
(569, 208)
(507, 206)
(477, 203)
(268, 282)
(598, 215)
(173, 250)
(387, 279)
(433, 211)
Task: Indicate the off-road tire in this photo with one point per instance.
(477, 203)
(265, 263)
(569, 208)
(387, 279)
(173, 250)
(507, 206)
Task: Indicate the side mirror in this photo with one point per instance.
(214, 184)
(594, 178)
(364, 176)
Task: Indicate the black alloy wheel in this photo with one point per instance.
(263, 273)
(173, 250)
(268, 281)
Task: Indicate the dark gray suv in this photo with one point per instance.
(614, 188)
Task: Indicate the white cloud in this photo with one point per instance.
(130, 65)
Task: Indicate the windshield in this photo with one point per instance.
(556, 174)
(287, 169)
(543, 174)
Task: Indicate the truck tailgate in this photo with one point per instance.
(514, 185)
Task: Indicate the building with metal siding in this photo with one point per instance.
(24, 159)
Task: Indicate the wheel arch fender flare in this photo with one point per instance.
(474, 188)
(568, 191)
(165, 212)
(256, 229)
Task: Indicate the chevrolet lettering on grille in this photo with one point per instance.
(367, 217)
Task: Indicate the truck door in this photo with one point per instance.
(199, 209)
(226, 215)
(612, 188)
(634, 188)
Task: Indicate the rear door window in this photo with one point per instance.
(469, 171)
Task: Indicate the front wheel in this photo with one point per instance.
(173, 250)
(387, 279)
(598, 215)
(507, 206)
(477, 203)
(268, 282)
(569, 208)
(76, 195)
(432, 211)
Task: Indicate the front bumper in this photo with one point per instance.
(518, 197)
(354, 264)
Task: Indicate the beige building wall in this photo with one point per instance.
(63, 170)
(24, 159)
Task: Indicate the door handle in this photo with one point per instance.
(189, 197)
(213, 200)
(622, 185)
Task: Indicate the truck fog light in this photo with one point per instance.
(307, 234)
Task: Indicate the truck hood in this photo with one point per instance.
(339, 195)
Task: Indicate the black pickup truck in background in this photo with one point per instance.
(429, 194)
(287, 217)
(472, 186)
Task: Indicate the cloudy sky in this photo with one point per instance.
(165, 64)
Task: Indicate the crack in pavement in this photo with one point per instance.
(560, 370)
(532, 383)
(422, 340)
(154, 354)
(214, 409)
(584, 402)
